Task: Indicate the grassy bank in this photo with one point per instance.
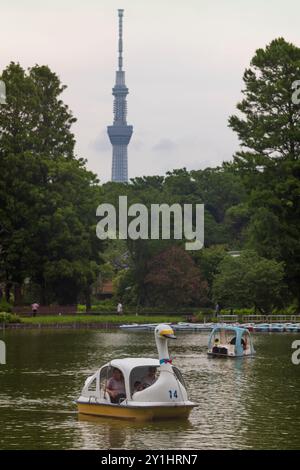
(101, 319)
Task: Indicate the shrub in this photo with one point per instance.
(238, 311)
(5, 306)
(290, 310)
(103, 306)
(9, 318)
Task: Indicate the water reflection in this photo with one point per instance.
(242, 403)
(123, 434)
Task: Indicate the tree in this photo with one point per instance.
(174, 280)
(208, 260)
(249, 281)
(47, 197)
(269, 133)
(270, 126)
(67, 251)
(35, 118)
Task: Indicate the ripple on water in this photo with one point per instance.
(249, 403)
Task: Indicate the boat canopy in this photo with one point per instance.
(127, 364)
(230, 335)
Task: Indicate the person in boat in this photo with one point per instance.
(233, 341)
(116, 387)
(137, 386)
(216, 345)
(150, 377)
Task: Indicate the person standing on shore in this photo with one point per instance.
(217, 310)
(34, 308)
(120, 309)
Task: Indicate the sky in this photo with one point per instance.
(184, 62)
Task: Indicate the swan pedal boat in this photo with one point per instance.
(166, 398)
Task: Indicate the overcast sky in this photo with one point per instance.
(184, 61)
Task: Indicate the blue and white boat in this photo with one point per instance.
(292, 327)
(180, 326)
(183, 326)
(276, 327)
(139, 326)
(230, 341)
(262, 327)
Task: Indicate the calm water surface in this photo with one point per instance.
(242, 403)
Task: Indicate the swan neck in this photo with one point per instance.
(162, 348)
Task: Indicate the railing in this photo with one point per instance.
(254, 318)
(260, 318)
(228, 318)
(272, 318)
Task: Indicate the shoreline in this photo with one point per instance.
(70, 326)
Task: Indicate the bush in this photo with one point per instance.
(110, 307)
(106, 306)
(5, 306)
(290, 310)
(9, 318)
(238, 311)
(80, 308)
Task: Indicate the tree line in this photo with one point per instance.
(48, 201)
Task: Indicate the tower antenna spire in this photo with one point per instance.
(120, 12)
(120, 132)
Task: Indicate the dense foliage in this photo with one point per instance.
(48, 203)
(47, 197)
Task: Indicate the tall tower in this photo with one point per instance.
(120, 133)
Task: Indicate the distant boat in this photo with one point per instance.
(276, 327)
(292, 327)
(139, 326)
(230, 341)
(180, 326)
(262, 327)
(184, 326)
(206, 327)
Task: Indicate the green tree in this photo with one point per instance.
(35, 118)
(47, 197)
(270, 122)
(269, 132)
(208, 260)
(249, 281)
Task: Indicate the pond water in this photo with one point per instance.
(250, 403)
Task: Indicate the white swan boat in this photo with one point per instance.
(164, 396)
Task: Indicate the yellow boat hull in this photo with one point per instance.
(145, 413)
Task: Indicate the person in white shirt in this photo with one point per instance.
(120, 308)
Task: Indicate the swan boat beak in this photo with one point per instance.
(168, 334)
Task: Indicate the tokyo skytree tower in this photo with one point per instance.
(120, 133)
